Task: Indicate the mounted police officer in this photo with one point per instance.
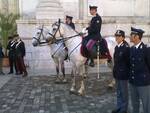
(69, 21)
(139, 78)
(93, 29)
(121, 71)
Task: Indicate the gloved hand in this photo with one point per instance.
(84, 32)
(81, 33)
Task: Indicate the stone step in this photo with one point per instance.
(49, 4)
(49, 9)
(49, 1)
(50, 13)
(48, 17)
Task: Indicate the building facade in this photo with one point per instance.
(79, 8)
(116, 14)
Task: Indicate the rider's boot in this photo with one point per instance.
(91, 62)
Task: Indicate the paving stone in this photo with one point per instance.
(40, 94)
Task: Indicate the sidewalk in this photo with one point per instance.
(39, 94)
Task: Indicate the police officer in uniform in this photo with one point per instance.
(20, 53)
(139, 78)
(93, 30)
(1, 60)
(121, 71)
(11, 54)
(69, 21)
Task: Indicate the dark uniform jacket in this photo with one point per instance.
(1, 52)
(121, 62)
(72, 25)
(20, 49)
(95, 28)
(140, 65)
(11, 47)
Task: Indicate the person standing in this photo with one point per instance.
(20, 53)
(1, 60)
(12, 54)
(121, 71)
(139, 78)
(69, 22)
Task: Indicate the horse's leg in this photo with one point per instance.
(72, 89)
(63, 71)
(63, 68)
(83, 73)
(57, 69)
(112, 83)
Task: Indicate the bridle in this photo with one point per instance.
(41, 35)
(57, 30)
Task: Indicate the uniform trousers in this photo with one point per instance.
(20, 65)
(140, 93)
(122, 94)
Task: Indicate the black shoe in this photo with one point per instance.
(123, 112)
(25, 74)
(91, 63)
(18, 73)
(1, 73)
(115, 111)
(109, 61)
(10, 73)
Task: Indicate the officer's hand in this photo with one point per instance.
(81, 33)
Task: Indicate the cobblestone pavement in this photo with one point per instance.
(40, 94)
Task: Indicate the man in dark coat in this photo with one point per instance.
(139, 78)
(69, 21)
(11, 54)
(20, 53)
(1, 60)
(93, 30)
(121, 71)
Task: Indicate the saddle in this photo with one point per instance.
(89, 50)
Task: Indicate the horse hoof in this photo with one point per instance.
(57, 81)
(81, 94)
(73, 92)
(64, 81)
(110, 87)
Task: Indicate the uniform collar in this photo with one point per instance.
(95, 15)
(120, 44)
(137, 45)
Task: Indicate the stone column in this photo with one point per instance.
(49, 9)
(21, 8)
(83, 9)
(4, 6)
(13, 6)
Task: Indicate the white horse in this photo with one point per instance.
(58, 51)
(73, 42)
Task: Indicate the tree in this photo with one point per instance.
(8, 27)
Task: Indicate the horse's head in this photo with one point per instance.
(39, 35)
(56, 32)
